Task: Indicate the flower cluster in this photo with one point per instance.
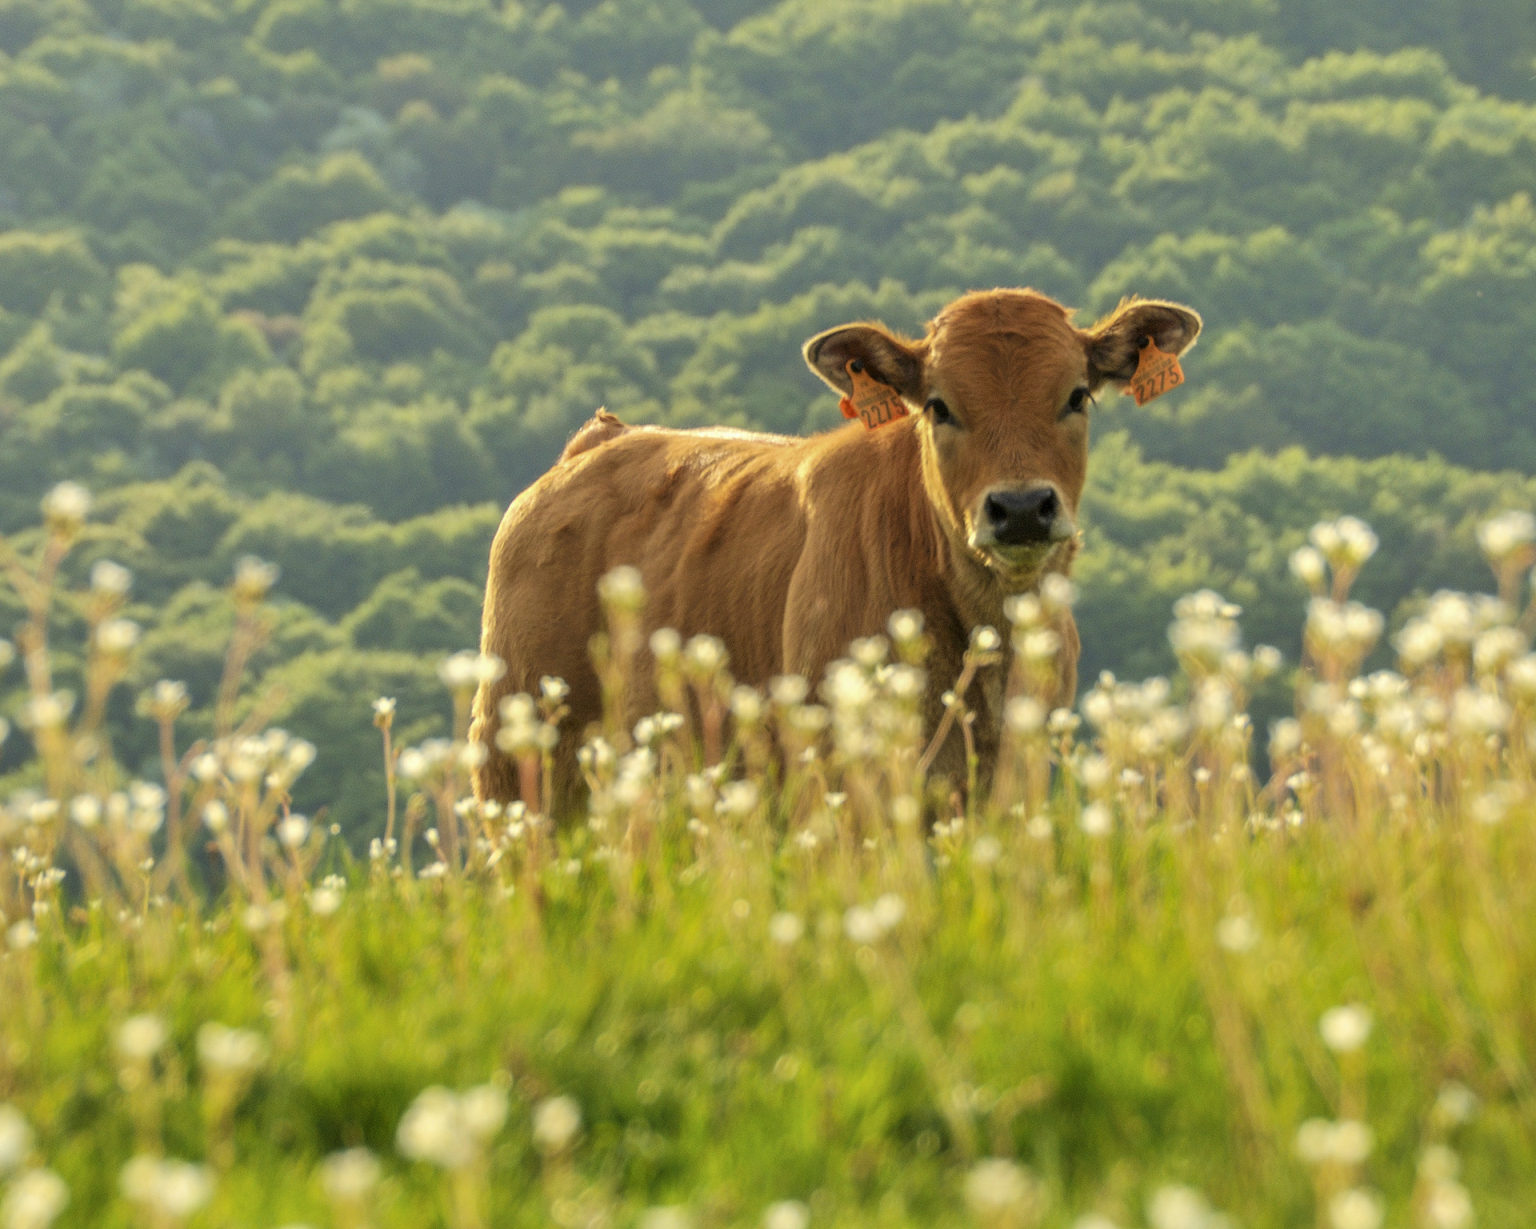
(452, 1129)
(34, 1196)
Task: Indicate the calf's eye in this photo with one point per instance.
(939, 411)
(1078, 401)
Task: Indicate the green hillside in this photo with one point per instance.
(329, 283)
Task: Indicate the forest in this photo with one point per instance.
(328, 283)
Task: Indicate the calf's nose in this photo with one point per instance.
(1021, 517)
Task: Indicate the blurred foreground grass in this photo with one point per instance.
(1141, 986)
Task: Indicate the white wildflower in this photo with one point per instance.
(1437, 1163)
(293, 831)
(1178, 1207)
(433, 1129)
(1479, 713)
(1345, 1028)
(995, 1187)
(1284, 738)
(216, 817)
(905, 627)
(870, 651)
(1454, 616)
(230, 1051)
(1350, 1141)
(484, 1110)
(49, 711)
(254, 578)
(622, 589)
(1057, 592)
(1314, 1141)
(1039, 645)
(1506, 534)
(1309, 566)
(34, 1201)
(1448, 1206)
(458, 671)
(1521, 677)
(738, 799)
(787, 1214)
(985, 639)
(85, 810)
(888, 911)
(141, 1037)
(1096, 820)
(111, 579)
(861, 925)
(746, 704)
(1237, 933)
(665, 1218)
(66, 506)
(15, 1139)
(349, 1177)
(1496, 648)
(785, 929)
(704, 655)
(1024, 715)
(1205, 628)
(556, 1120)
(1267, 661)
(1455, 1104)
(1023, 610)
(1095, 771)
(1419, 643)
(172, 1189)
(115, 637)
(1356, 1208)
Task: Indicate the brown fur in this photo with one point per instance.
(787, 549)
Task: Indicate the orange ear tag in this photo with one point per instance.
(873, 403)
(1155, 374)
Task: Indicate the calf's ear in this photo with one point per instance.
(889, 359)
(1115, 342)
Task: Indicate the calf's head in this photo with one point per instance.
(1003, 383)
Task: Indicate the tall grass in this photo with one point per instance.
(774, 974)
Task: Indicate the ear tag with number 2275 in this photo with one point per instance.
(1156, 373)
(872, 403)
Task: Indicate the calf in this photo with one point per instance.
(960, 489)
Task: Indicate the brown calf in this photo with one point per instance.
(787, 549)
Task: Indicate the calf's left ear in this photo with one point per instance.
(1115, 346)
(889, 359)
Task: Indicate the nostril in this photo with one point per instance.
(1019, 517)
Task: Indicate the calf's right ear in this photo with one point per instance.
(889, 359)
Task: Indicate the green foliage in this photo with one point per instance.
(298, 201)
(36, 267)
(331, 282)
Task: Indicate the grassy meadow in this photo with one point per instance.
(324, 283)
(782, 979)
